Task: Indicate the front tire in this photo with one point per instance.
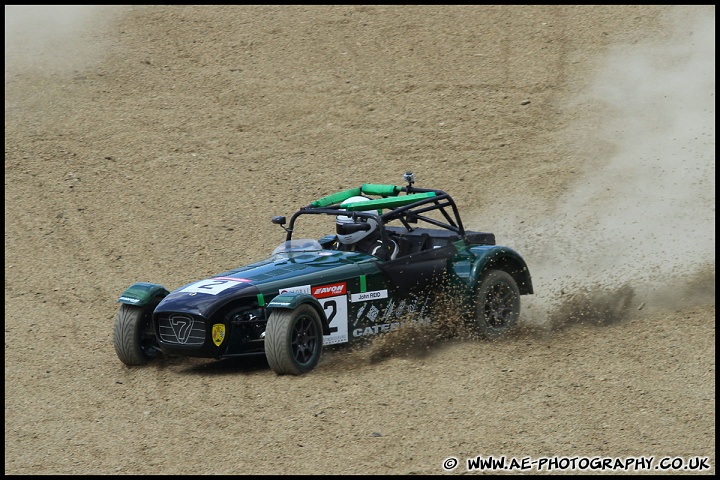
(498, 304)
(133, 335)
(293, 340)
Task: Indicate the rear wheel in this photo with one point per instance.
(293, 340)
(133, 334)
(498, 304)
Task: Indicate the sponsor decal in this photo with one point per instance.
(333, 290)
(373, 313)
(299, 289)
(359, 314)
(388, 310)
(218, 333)
(365, 296)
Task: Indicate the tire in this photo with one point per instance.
(498, 304)
(293, 340)
(133, 335)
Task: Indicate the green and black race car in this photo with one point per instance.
(395, 248)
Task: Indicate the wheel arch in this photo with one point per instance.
(292, 300)
(501, 258)
(142, 293)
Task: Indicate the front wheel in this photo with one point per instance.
(498, 304)
(133, 334)
(293, 340)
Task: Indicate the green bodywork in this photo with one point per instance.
(381, 203)
(292, 300)
(466, 268)
(141, 293)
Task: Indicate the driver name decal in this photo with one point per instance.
(365, 296)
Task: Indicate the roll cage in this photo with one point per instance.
(407, 204)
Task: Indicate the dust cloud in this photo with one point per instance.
(638, 229)
(54, 37)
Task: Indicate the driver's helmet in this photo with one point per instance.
(342, 221)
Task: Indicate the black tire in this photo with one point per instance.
(293, 340)
(498, 304)
(133, 335)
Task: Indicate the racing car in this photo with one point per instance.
(394, 248)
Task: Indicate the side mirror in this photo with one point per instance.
(279, 220)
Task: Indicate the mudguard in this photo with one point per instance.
(292, 300)
(500, 258)
(141, 293)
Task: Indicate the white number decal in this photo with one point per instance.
(210, 286)
(336, 312)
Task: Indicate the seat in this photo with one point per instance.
(422, 243)
(381, 254)
(403, 246)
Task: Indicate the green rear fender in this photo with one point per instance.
(141, 293)
(467, 268)
(500, 258)
(292, 300)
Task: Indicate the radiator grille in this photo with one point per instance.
(181, 329)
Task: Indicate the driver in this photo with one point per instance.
(366, 241)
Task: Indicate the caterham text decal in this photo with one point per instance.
(386, 327)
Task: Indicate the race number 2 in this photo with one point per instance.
(336, 312)
(211, 286)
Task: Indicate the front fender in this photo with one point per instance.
(141, 293)
(292, 300)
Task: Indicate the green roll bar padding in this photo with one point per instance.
(387, 202)
(363, 284)
(366, 189)
(383, 190)
(336, 197)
